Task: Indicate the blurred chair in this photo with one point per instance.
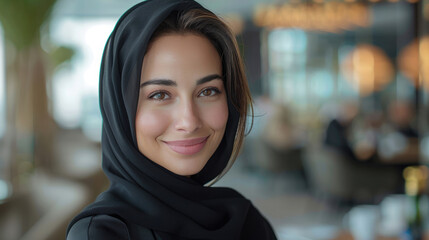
(276, 149)
(335, 177)
(279, 146)
(43, 211)
(277, 160)
(281, 168)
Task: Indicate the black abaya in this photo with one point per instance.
(146, 201)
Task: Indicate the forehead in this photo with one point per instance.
(180, 54)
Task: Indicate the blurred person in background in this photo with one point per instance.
(367, 134)
(280, 131)
(339, 130)
(174, 100)
(399, 143)
(401, 116)
(276, 141)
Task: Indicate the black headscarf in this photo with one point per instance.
(142, 192)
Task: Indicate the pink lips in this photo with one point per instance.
(187, 147)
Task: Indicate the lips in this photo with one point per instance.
(188, 146)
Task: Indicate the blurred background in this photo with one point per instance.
(341, 101)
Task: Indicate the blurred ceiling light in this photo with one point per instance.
(235, 22)
(329, 17)
(413, 62)
(367, 68)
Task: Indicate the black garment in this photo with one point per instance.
(107, 228)
(408, 132)
(336, 138)
(146, 201)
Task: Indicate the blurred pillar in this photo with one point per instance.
(251, 39)
(28, 122)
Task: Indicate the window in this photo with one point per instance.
(75, 87)
(287, 61)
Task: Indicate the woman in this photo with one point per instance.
(174, 101)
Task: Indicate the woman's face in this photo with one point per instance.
(182, 110)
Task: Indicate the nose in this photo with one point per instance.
(188, 119)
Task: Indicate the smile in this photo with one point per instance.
(187, 147)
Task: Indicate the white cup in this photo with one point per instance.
(394, 215)
(362, 222)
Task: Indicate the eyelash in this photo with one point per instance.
(152, 95)
(215, 90)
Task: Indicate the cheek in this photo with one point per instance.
(150, 124)
(216, 115)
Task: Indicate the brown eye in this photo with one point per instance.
(159, 96)
(208, 92)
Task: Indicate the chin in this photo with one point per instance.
(187, 171)
(187, 167)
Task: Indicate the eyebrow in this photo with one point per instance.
(208, 78)
(168, 82)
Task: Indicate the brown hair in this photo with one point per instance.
(205, 23)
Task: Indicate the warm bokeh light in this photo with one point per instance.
(416, 177)
(329, 17)
(367, 68)
(413, 62)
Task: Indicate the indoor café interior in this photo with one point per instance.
(338, 148)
